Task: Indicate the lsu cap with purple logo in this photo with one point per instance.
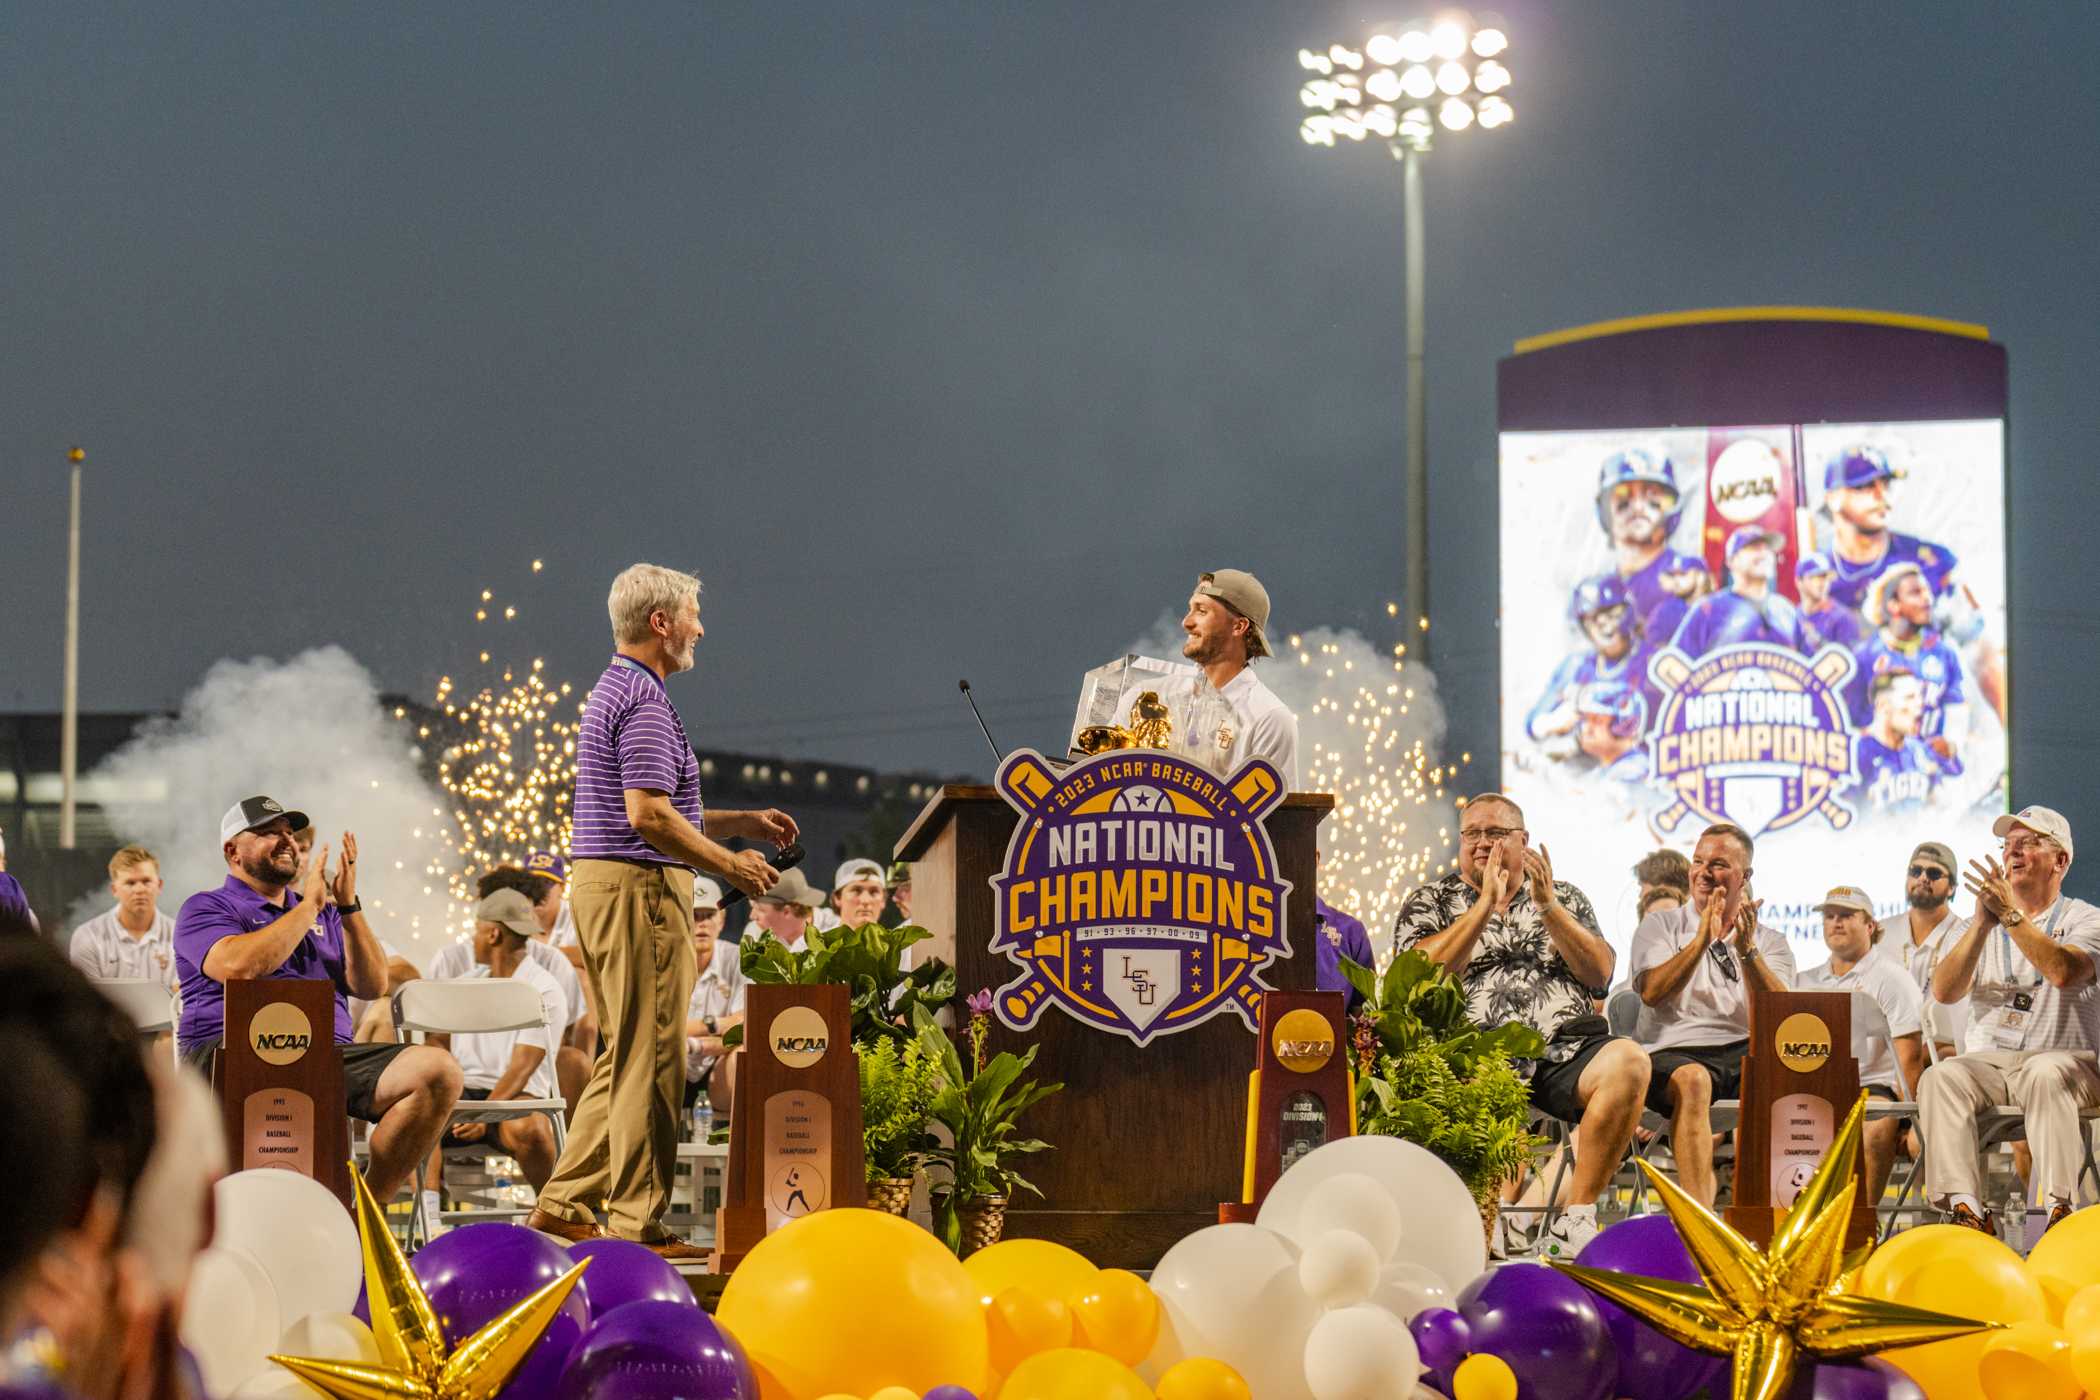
(548, 864)
(252, 812)
(1856, 467)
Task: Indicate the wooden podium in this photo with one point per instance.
(1147, 1139)
(1799, 1082)
(280, 1081)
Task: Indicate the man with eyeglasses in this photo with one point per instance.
(1693, 968)
(1527, 949)
(2026, 961)
(1919, 937)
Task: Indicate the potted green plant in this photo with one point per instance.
(981, 1110)
(1426, 1073)
(869, 962)
(897, 1090)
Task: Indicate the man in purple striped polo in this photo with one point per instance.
(638, 834)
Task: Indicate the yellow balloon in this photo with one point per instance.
(2071, 1250)
(1047, 1270)
(842, 1395)
(1483, 1377)
(1072, 1374)
(1952, 1270)
(1021, 1324)
(2082, 1330)
(894, 1392)
(2028, 1361)
(854, 1301)
(1118, 1315)
(1202, 1378)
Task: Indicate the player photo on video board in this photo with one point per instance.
(1795, 628)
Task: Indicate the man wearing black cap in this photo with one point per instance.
(1223, 714)
(257, 926)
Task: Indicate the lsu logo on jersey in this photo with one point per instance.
(1752, 735)
(1140, 892)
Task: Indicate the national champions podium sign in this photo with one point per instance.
(1140, 892)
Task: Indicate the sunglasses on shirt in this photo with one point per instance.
(1723, 961)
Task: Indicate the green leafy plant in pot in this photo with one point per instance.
(1426, 1073)
(869, 962)
(898, 1086)
(981, 1110)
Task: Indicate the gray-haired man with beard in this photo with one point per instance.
(1527, 949)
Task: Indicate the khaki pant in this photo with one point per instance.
(635, 923)
(2049, 1087)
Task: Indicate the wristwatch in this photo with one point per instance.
(2013, 918)
(1748, 954)
(355, 906)
(709, 1022)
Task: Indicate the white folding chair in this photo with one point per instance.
(1869, 1024)
(144, 999)
(477, 1006)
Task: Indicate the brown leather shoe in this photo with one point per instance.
(676, 1250)
(1968, 1219)
(2059, 1212)
(562, 1229)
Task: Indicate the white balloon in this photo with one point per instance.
(273, 1382)
(1232, 1292)
(1338, 1269)
(331, 1337)
(298, 1231)
(1406, 1289)
(229, 1317)
(1440, 1224)
(1357, 1203)
(1361, 1353)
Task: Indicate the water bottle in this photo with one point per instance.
(502, 1169)
(703, 1121)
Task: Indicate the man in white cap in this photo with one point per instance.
(2025, 961)
(787, 910)
(1890, 1066)
(1223, 714)
(718, 997)
(858, 893)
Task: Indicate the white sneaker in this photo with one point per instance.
(1511, 1240)
(1565, 1238)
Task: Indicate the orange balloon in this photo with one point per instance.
(1952, 1270)
(1118, 1316)
(1202, 1378)
(1021, 1324)
(1072, 1374)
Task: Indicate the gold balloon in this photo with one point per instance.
(414, 1362)
(1769, 1308)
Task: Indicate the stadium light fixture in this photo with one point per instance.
(1406, 82)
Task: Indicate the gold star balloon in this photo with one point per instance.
(1769, 1308)
(415, 1362)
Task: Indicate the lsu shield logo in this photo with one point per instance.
(1140, 892)
(1752, 735)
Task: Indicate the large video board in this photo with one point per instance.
(1792, 623)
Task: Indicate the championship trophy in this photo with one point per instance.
(280, 1081)
(1301, 1094)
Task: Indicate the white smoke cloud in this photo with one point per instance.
(310, 732)
(1370, 730)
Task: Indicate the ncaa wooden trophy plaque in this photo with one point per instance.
(280, 1081)
(794, 1126)
(1301, 1094)
(1799, 1081)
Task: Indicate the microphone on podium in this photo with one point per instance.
(790, 856)
(998, 756)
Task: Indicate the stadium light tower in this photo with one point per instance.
(1400, 87)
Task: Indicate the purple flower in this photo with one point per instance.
(980, 1002)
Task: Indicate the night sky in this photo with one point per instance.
(940, 340)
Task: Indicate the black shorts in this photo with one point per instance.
(362, 1067)
(1556, 1075)
(470, 1094)
(1723, 1065)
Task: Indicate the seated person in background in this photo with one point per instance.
(1527, 949)
(1664, 867)
(2025, 961)
(717, 1002)
(499, 1065)
(1918, 937)
(134, 939)
(1661, 897)
(1692, 968)
(784, 913)
(900, 893)
(1341, 936)
(579, 1048)
(1890, 1068)
(857, 895)
(257, 926)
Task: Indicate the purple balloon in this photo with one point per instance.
(1443, 1338)
(472, 1274)
(1547, 1327)
(1871, 1379)
(624, 1272)
(1651, 1366)
(653, 1350)
(948, 1392)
